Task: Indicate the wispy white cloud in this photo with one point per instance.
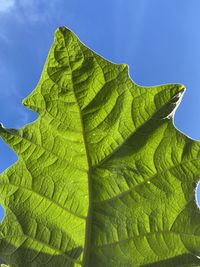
(6, 5)
(30, 10)
(35, 11)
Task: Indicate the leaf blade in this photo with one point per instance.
(103, 176)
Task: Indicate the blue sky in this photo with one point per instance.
(160, 40)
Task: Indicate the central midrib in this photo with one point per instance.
(87, 244)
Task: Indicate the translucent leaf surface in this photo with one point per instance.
(103, 177)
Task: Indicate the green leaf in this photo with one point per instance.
(103, 177)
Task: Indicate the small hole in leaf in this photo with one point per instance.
(197, 194)
(2, 213)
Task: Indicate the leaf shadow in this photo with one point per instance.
(21, 257)
(185, 260)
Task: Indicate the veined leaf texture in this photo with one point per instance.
(103, 177)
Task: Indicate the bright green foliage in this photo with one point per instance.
(103, 177)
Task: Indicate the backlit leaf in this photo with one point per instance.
(103, 177)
